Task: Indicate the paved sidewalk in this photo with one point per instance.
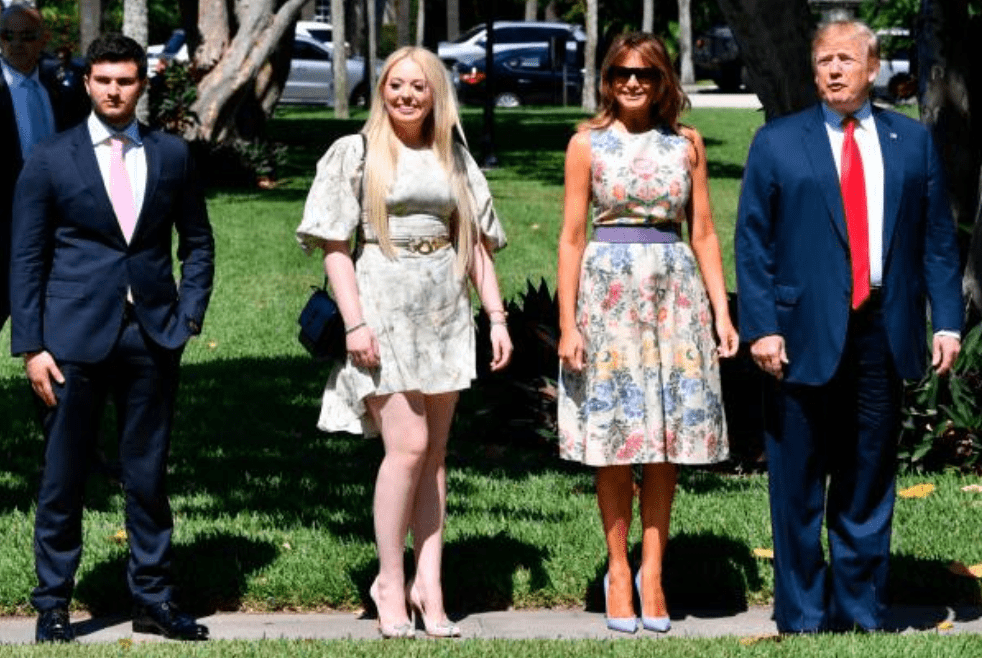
(519, 624)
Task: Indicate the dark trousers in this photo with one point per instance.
(831, 452)
(142, 379)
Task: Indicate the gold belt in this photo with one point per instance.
(418, 245)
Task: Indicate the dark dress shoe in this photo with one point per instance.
(165, 619)
(54, 626)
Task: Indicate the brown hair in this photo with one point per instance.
(670, 101)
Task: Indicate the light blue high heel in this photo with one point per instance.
(657, 624)
(619, 624)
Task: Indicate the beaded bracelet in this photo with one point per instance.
(354, 328)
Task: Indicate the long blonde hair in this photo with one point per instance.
(439, 129)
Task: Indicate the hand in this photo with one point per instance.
(769, 355)
(363, 347)
(729, 339)
(41, 369)
(501, 347)
(945, 351)
(572, 354)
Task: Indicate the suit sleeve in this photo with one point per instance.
(31, 238)
(941, 264)
(195, 250)
(754, 243)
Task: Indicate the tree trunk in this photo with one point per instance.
(420, 22)
(531, 9)
(551, 12)
(774, 43)
(90, 21)
(136, 25)
(242, 71)
(648, 16)
(685, 42)
(949, 91)
(371, 43)
(453, 19)
(340, 65)
(590, 59)
(402, 22)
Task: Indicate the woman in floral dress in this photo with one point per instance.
(639, 381)
(426, 221)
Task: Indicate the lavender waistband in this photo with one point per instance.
(643, 234)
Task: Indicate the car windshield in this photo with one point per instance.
(469, 34)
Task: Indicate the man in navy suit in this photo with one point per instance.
(32, 107)
(95, 311)
(844, 232)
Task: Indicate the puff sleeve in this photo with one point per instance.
(484, 215)
(333, 207)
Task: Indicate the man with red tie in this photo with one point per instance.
(96, 312)
(844, 234)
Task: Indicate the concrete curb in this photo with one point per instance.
(512, 625)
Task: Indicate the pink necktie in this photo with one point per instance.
(120, 191)
(854, 199)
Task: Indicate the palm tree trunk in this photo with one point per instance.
(648, 16)
(685, 42)
(590, 57)
(453, 19)
(420, 21)
(340, 60)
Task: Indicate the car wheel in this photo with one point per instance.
(359, 97)
(730, 79)
(507, 99)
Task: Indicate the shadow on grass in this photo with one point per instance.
(209, 574)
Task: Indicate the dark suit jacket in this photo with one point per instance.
(71, 265)
(66, 115)
(792, 245)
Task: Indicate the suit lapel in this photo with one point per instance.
(818, 150)
(88, 169)
(10, 123)
(893, 175)
(151, 149)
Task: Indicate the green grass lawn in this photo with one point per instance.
(272, 514)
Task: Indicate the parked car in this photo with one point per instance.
(176, 49)
(896, 80)
(716, 56)
(509, 35)
(311, 79)
(522, 76)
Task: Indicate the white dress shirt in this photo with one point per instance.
(869, 150)
(18, 95)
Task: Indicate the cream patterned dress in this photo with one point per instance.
(650, 391)
(417, 305)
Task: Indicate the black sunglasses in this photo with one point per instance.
(646, 76)
(23, 37)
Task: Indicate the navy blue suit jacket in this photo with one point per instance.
(792, 246)
(11, 162)
(71, 265)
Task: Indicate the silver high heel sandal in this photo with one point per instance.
(405, 630)
(657, 624)
(442, 628)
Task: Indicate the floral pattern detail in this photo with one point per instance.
(650, 391)
(417, 305)
(639, 178)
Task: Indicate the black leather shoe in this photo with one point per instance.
(165, 619)
(54, 626)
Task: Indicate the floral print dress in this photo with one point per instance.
(650, 391)
(417, 304)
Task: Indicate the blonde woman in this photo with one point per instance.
(424, 210)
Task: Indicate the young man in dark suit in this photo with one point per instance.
(95, 311)
(844, 233)
(32, 108)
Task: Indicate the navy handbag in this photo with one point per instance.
(322, 327)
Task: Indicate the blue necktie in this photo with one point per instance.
(37, 115)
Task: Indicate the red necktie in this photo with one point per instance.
(854, 200)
